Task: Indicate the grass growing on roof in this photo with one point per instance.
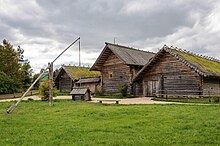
(82, 123)
(204, 64)
(81, 72)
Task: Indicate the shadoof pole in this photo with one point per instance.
(50, 67)
(79, 55)
(16, 104)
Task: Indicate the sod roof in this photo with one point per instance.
(210, 67)
(204, 66)
(76, 72)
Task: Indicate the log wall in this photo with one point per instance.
(211, 86)
(121, 73)
(65, 83)
(171, 76)
(93, 87)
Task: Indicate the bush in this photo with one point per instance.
(123, 87)
(215, 99)
(6, 84)
(44, 90)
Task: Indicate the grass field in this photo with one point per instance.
(82, 123)
(17, 95)
(188, 100)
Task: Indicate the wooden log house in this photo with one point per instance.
(172, 73)
(68, 77)
(118, 65)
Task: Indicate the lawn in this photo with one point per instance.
(188, 100)
(17, 95)
(82, 123)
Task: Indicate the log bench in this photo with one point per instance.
(116, 101)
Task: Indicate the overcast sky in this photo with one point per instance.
(43, 28)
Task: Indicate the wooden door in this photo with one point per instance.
(152, 88)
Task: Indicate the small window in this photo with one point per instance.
(110, 75)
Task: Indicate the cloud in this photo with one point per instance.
(45, 28)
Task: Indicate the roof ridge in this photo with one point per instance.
(127, 47)
(76, 66)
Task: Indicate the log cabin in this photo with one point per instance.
(177, 73)
(118, 64)
(68, 77)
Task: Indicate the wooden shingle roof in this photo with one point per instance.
(129, 56)
(79, 91)
(89, 80)
(204, 66)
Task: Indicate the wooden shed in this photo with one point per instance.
(118, 65)
(80, 93)
(92, 83)
(172, 72)
(69, 75)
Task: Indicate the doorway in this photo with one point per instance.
(152, 88)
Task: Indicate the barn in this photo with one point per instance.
(118, 64)
(69, 75)
(177, 73)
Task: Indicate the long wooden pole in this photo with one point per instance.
(51, 83)
(10, 109)
(16, 104)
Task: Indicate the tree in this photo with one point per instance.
(9, 63)
(14, 66)
(26, 73)
(36, 86)
(6, 84)
(55, 73)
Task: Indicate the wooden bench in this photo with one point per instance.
(116, 101)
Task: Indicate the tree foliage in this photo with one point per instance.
(9, 63)
(44, 90)
(6, 84)
(26, 73)
(13, 65)
(36, 86)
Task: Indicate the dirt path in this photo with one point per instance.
(140, 100)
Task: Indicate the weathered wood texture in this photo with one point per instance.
(86, 97)
(211, 86)
(115, 72)
(172, 76)
(93, 87)
(65, 83)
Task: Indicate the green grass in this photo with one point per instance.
(187, 100)
(62, 93)
(17, 95)
(82, 123)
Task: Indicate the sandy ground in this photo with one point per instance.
(140, 100)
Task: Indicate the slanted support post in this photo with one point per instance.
(50, 83)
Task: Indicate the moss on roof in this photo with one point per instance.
(206, 65)
(81, 72)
